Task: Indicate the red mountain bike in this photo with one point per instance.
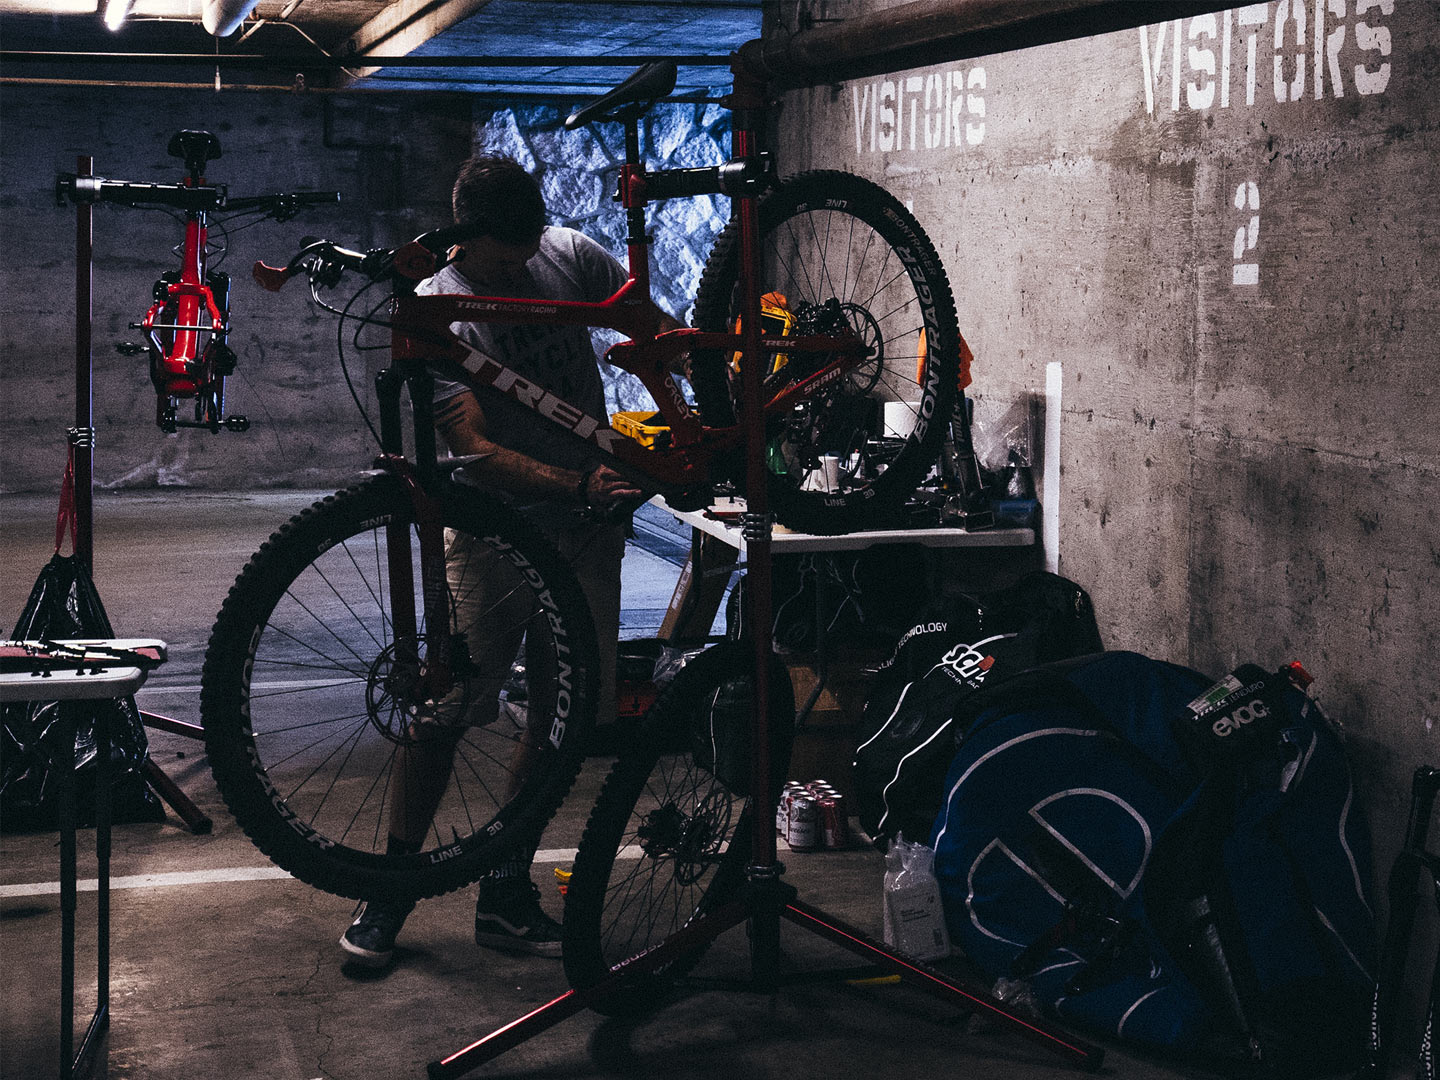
(188, 321)
(343, 662)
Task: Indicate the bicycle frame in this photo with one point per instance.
(419, 321)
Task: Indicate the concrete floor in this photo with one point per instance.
(239, 975)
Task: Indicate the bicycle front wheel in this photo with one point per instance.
(839, 255)
(669, 837)
(328, 730)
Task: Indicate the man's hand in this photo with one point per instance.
(604, 488)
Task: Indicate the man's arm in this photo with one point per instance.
(461, 422)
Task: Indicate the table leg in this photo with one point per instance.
(65, 778)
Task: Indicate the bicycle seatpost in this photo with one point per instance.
(632, 197)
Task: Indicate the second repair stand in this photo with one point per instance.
(766, 898)
(82, 449)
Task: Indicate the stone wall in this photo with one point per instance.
(1225, 230)
(579, 173)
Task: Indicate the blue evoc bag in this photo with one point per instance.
(1177, 864)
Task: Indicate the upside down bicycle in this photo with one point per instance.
(338, 663)
(187, 325)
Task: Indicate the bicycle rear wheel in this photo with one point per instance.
(839, 254)
(669, 837)
(319, 723)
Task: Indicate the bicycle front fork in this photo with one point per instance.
(421, 637)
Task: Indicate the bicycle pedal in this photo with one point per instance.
(129, 348)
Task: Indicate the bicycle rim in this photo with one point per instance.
(840, 256)
(669, 837)
(318, 716)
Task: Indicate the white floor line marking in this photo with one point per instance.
(558, 856)
(226, 874)
(152, 881)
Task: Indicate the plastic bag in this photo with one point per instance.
(914, 917)
(64, 604)
(671, 659)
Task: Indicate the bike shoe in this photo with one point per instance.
(508, 916)
(370, 939)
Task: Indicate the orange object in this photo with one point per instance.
(962, 375)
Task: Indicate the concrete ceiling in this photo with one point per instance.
(487, 42)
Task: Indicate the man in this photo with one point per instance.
(515, 254)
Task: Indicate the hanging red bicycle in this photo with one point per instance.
(188, 322)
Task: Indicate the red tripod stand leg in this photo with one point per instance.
(175, 727)
(702, 930)
(939, 985)
(195, 819)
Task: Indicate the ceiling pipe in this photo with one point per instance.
(323, 63)
(925, 32)
(223, 17)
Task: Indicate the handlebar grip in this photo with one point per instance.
(682, 183)
(271, 278)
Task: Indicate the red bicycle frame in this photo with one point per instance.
(184, 369)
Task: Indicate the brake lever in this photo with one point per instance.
(271, 278)
(417, 262)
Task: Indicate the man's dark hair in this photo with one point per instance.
(500, 199)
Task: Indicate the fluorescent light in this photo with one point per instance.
(116, 11)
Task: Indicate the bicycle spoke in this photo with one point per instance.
(270, 732)
(345, 602)
(349, 737)
(339, 772)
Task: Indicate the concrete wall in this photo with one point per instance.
(392, 157)
(1242, 292)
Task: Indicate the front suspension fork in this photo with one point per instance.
(418, 478)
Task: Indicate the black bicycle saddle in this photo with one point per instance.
(195, 148)
(631, 98)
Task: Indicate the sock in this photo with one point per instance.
(514, 869)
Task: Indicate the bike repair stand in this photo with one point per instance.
(82, 453)
(766, 898)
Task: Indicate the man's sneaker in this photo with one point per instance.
(508, 916)
(370, 940)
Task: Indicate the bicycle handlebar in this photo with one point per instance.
(325, 262)
(283, 205)
(93, 189)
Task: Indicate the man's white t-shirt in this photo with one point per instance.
(562, 359)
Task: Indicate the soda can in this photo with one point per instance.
(782, 806)
(833, 827)
(804, 824)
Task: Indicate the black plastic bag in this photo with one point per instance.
(65, 604)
